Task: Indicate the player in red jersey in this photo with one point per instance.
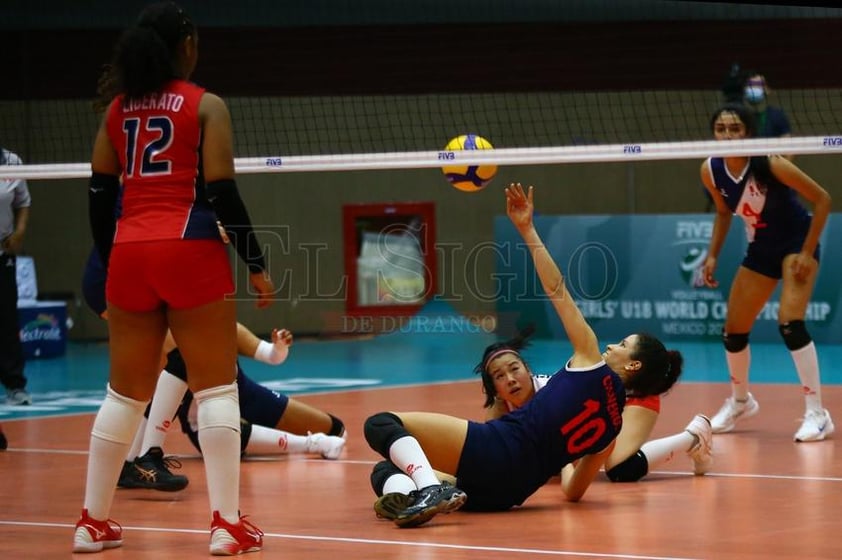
(168, 145)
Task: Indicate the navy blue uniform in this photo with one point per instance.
(775, 220)
(504, 461)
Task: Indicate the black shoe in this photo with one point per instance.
(388, 506)
(126, 475)
(439, 498)
(152, 471)
(3, 442)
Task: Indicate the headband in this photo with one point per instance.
(497, 353)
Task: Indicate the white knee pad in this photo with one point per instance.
(219, 407)
(118, 418)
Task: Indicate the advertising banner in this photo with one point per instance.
(640, 273)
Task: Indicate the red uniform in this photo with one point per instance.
(652, 402)
(158, 142)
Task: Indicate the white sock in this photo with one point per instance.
(168, 394)
(407, 455)
(399, 483)
(807, 366)
(114, 427)
(134, 449)
(219, 436)
(268, 441)
(661, 451)
(738, 364)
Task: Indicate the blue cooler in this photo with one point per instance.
(43, 328)
(43, 324)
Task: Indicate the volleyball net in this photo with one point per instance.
(301, 135)
(386, 86)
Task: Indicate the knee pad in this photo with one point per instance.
(245, 435)
(337, 427)
(795, 334)
(175, 365)
(382, 430)
(118, 418)
(631, 470)
(381, 473)
(218, 407)
(734, 342)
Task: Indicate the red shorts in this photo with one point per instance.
(181, 274)
(652, 402)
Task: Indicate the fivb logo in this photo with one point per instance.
(832, 142)
(696, 234)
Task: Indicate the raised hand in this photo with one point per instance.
(519, 206)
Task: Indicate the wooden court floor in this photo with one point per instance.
(767, 497)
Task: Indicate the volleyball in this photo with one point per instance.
(469, 178)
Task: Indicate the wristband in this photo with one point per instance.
(268, 353)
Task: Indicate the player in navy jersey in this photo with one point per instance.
(508, 384)
(165, 148)
(573, 419)
(783, 247)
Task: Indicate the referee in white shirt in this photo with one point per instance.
(14, 215)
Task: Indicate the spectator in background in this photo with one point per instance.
(771, 121)
(14, 215)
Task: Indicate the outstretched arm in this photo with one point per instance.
(520, 208)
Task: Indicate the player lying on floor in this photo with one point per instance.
(508, 384)
(570, 426)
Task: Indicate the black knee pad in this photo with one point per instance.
(245, 435)
(734, 342)
(381, 473)
(383, 429)
(631, 470)
(337, 427)
(795, 334)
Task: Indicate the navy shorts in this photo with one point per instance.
(258, 404)
(490, 474)
(768, 260)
